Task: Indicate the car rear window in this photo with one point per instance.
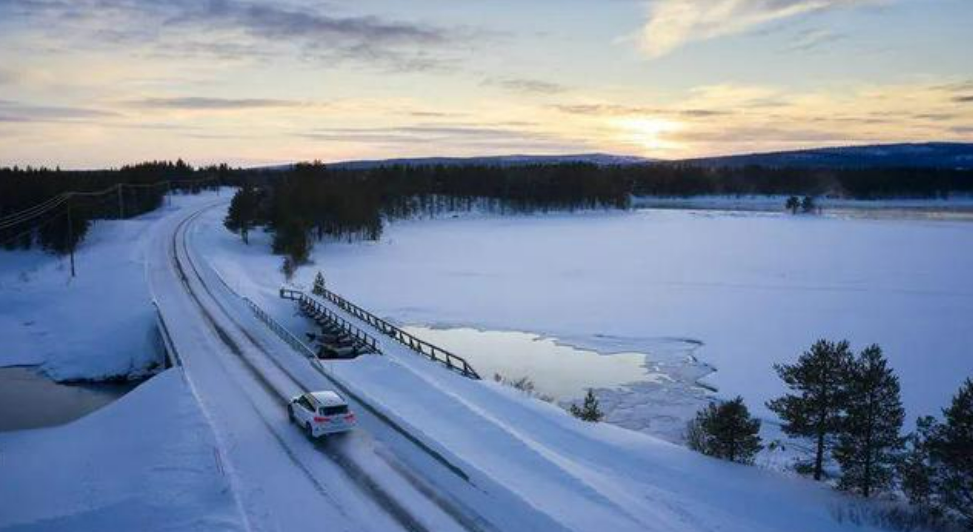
(334, 410)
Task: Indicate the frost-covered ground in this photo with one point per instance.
(145, 462)
(754, 288)
(99, 324)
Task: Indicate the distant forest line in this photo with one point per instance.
(311, 201)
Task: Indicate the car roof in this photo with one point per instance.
(327, 398)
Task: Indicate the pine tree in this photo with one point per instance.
(916, 471)
(589, 411)
(952, 450)
(726, 431)
(792, 204)
(242, 214)
(807, 204)
(815, 409)
(937, 472)
(870, 438)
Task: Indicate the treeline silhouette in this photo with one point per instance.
(304, 203)
(854, 183)
(310, 202)
(53, 209)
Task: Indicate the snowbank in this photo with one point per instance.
(145, 462)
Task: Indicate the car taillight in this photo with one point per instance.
(321, 419)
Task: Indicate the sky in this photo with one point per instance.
(100, 83)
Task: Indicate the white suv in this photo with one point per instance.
(320, 413)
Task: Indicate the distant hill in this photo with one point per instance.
(926, 155)
(942, 155)
(601, 159)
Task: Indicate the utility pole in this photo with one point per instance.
(71, 238)
(121, 203)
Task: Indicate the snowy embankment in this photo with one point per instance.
(98, 325)
(146, 462)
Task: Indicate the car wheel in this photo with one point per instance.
(290, 413)
(307, 427)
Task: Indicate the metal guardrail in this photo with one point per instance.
(172, 355)
(424, 348)
(360, 337)
(279, 329)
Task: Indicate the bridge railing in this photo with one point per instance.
(308, 304)
(433, 352)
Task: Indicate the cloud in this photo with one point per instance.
(673, 23)
(200, 103)
(237, 29)
(963, 99)
(814, 38)
(601, 109)
(11, 111)
(445, 135)
(525, 85)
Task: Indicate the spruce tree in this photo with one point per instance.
(726, 430)
(869, 442)
(318, 288)
(815, 408)
(589, 411)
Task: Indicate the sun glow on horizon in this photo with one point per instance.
(649, 134)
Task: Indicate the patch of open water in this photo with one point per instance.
(29, 400)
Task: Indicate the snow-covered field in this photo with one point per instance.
(754, 288)
(99, 324)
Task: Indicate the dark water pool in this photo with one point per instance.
(30, 400)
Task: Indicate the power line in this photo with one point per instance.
(31, 213)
